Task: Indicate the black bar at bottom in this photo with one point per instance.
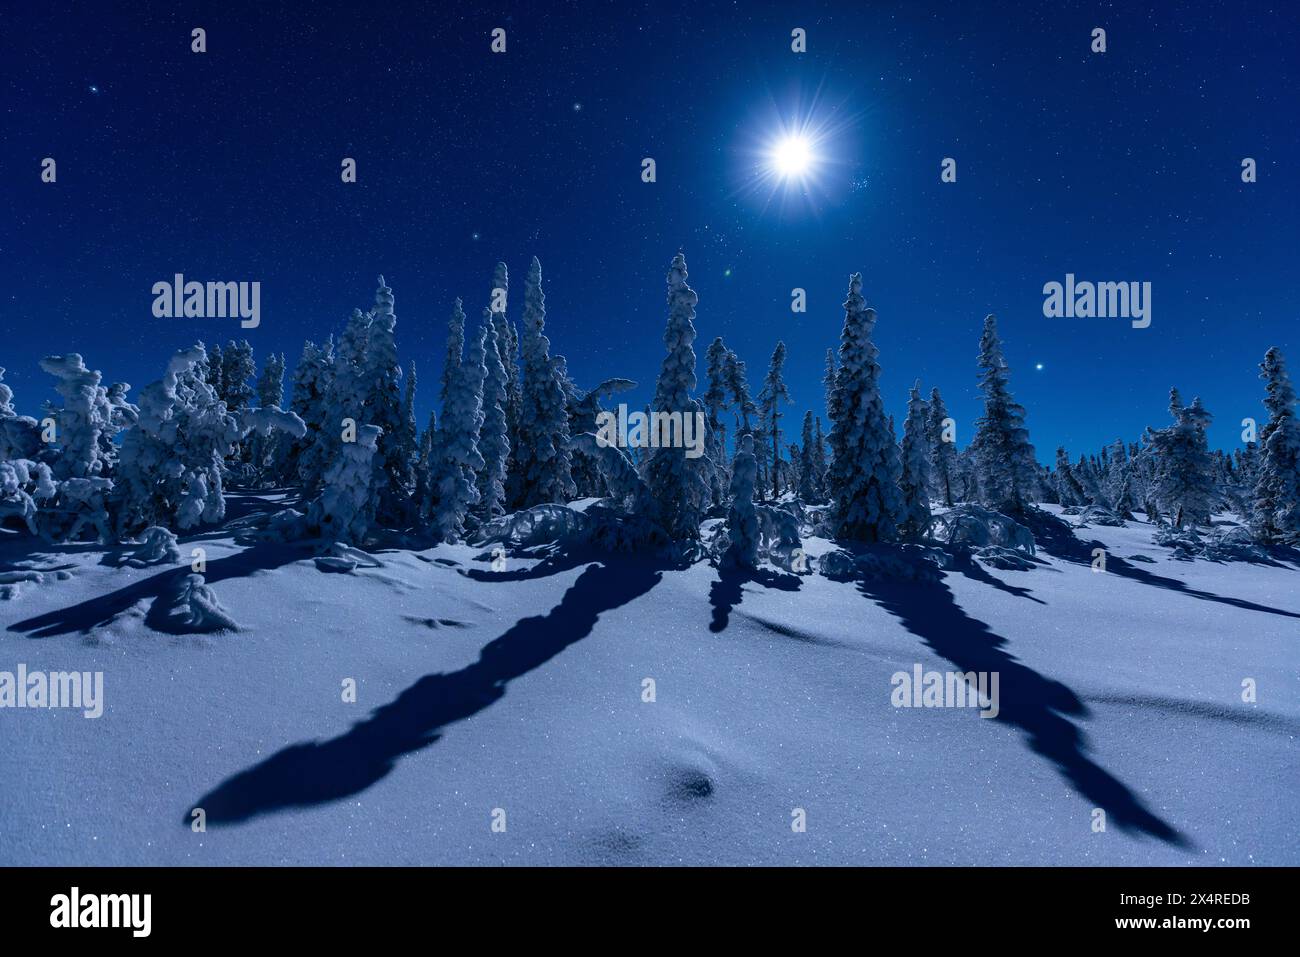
(334, 905)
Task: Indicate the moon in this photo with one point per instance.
(792, 156)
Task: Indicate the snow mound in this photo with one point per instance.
(906, 563)
(157, 546)
(534, 526)
(1007, 558)
(1100, 515)
(342, 558)
(979, 527)
(1219, 545)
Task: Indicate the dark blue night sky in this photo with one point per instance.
(225, 166)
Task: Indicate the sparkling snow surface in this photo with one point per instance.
(522, 691)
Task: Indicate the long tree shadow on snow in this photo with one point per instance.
(726, 593)
(1035, 704)
(1058, 539)
(317, 772)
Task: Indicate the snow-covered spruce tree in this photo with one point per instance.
(237, 369)
(508, 352)
(301, 461)
(122, 415)
(270, 384)
(819, 458)
(410, 437)
(744, 409)
(828, 381)
(212, 369)
(494, 434)
(1247, 461)
(792, 472)
(1184, 471)
(943, 452)
(23, 482)
(456, 455)
(809, 487)
(1124, 497)
(715, 403)
(742, 517)
(84, 427)
(171, 466)
(680, 485)
(915, 479)
(424, 497)
(82, 421)
(1275, 515)
(543, 454)
(1006, 469)
(770, 398)
(381, 381)
(862, 481)
(345, 398)
(1088, 474)
(345, 509)
(1116, 469)
(1068, 490)
(270, 394)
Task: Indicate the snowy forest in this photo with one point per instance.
(235, 542)
(517, 443)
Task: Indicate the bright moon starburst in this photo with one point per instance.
(796, 154)
(792, 156)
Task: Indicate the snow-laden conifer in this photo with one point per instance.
(543, 454)
(914, 482)
(862, 480)
(679, 484)
(1007, 470)
(742, 517)
(456, 455)
(1275, 516)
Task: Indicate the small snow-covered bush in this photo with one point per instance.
(779, 529)
(907, 563)
(1185, 542)
(85, 501)
(202, 610)
(534, 526)
(157, 546)
(978, 527)
(838, 565)
(1219, 545)
(22, 484)
(1234, 545)
(1100, 515)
